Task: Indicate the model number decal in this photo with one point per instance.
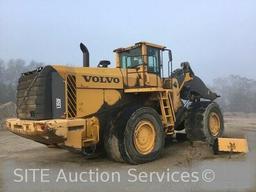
(101, 79)
(58, 103)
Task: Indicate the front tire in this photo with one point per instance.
(204, 122)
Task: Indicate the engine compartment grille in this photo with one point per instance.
(71, 96)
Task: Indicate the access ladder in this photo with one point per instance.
(168, 116)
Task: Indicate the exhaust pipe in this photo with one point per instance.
(86, 55)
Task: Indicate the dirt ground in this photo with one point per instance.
(231, 173)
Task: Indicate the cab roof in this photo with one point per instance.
(118, 50)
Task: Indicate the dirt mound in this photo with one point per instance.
(7, 110)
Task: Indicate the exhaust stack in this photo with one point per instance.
(86, 55)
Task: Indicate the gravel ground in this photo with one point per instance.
(185, 164)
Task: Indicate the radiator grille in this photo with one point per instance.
(71, 96)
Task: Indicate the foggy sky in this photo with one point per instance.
(217, 37)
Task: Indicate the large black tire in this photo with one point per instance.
(114, 133)
(197, 123)
(144, 114)
(111, 138)
(120, 144)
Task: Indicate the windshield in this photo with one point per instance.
(131, 58)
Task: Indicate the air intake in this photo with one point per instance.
(71, 96)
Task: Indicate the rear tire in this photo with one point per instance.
(111, 141)
(204, 122)
(114, 134)
(144, 136)
(137, 136)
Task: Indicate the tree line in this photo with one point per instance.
(238, 94)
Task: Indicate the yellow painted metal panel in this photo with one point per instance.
(89, 101)
(74, 138)
(90, 77)
(111, 97)
(232, 145)
(76, 133)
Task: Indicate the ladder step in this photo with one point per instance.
(169, 124)
(166, 107)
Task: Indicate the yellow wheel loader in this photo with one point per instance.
(126, 111)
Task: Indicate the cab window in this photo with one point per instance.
(153, 60)
(131, 58)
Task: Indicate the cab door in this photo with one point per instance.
(153, 66)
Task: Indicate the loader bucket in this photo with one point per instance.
(230, 145)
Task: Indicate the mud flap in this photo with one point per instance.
(232, 145)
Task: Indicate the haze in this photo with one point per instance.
(217, 37)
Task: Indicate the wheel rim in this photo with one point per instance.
(144, 137)
(214, 124)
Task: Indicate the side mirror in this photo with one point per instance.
(170, 55)
(169, 62)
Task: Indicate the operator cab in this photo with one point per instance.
(143, 62)
(142, 53)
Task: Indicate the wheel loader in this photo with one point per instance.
(127, 111)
